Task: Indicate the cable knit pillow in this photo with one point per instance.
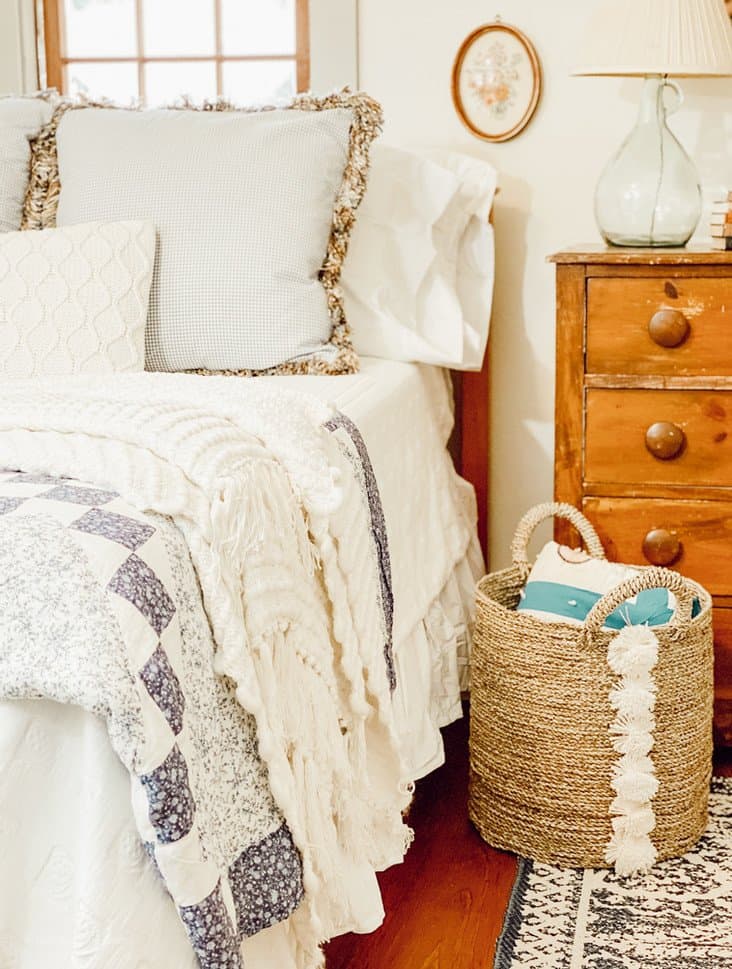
(253, 210)
(74, 300)
(20, 120)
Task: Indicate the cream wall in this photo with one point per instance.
(17, 63)
(547, 177)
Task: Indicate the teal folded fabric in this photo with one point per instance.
(650, 608)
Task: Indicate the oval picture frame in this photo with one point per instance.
(496, 82)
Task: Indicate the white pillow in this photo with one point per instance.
(418, 277)
(74, 300)
(253, 212)
(20, 119)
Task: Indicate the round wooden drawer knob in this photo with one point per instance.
(661, 547)
(668, 328)
(665, 440)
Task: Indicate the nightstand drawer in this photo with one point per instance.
(694, 537)
(670, 326)
(659, 437)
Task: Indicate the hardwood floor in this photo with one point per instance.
(445, 904)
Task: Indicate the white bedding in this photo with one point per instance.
(403, 412)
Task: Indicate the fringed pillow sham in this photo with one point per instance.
(253, 208)
(21, 118)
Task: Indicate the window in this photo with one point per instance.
(159, 50)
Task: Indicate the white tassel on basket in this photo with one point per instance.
(633, 654)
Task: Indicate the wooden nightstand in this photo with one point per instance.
(644, 416)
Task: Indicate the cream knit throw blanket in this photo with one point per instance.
(275, 519)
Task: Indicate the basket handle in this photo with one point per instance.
(552, 509)
(650, 578)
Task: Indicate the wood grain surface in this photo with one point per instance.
(593, 254)
(568, 394)
(617, 423)
(703, 529)
(619, 311)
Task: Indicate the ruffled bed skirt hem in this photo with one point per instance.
(432, 669)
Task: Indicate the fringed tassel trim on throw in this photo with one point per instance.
(632, 655)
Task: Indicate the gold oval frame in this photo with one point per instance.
(535, 68)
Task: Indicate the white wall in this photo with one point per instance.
(17, 60)
(333, 44)
(547, 177)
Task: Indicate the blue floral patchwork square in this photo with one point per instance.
(266, 882)
(117, 528)
(164, 687)
(79, 495)
(170, 800)
(212, 933)
(135, 581)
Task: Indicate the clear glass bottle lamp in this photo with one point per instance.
(649, 193)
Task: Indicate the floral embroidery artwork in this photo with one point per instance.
(493, 74)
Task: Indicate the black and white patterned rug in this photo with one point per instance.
(679, 916)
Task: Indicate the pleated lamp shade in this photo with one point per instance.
(683, 38)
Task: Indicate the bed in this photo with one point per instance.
(235, 613)
(99, 898)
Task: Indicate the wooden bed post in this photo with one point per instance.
(470, 444)
(475, 456)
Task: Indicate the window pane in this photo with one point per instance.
(118, 82)
(176, 27)
(248, 82)
(166, 83)
(100, 28)
(258, 27)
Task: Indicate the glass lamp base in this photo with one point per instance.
(649, 193)
(647, 242)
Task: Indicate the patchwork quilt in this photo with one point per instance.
(227, 609)
(136, 649)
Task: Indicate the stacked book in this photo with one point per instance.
(721, 222)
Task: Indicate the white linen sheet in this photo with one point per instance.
(403, 412)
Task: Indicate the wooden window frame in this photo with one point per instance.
(56, 61)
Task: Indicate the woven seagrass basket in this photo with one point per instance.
(541, 754)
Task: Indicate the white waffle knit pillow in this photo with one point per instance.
(74, 300)
(20, 120)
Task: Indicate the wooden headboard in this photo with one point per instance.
(470, 443)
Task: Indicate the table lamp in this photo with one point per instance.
(649, 195)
